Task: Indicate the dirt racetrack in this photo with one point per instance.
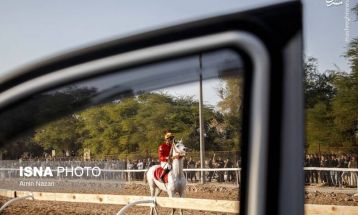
(52, 208)
(211, 191)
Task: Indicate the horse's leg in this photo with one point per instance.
(171, 194)
(155, 211)
(173, 211)
(152, 192)
(181, 195)
(156, 193)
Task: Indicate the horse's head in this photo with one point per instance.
(179, 149)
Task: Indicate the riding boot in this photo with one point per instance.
(165, 171)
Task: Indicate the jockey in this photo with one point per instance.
(164, 153)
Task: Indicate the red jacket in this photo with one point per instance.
(164, 151)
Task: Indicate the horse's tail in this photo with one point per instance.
(145, 180)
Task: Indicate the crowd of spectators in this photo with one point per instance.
(331, 177)
(190, 163)
(113, 166)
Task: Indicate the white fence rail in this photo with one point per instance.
(332, 176)
(224, 206)
(332, 169)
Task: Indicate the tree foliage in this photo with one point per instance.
(61, 135)
(318, 86)
(132, 125)
(231, 106)
(332, 104)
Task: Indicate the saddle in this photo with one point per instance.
(157, 173)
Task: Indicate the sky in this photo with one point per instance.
(325, 34)
(35, 29)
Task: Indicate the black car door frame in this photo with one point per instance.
(273, 128)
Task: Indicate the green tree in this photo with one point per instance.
(318, 87)
(320, 131)
(332, 104)
(345, 103)
(319, 91)
(61, 135)
(230, 106)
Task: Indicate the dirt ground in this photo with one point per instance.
(331, 196)
(61, 208)
(313, 195)
(25, 207)
(207, 191)
(331, 199)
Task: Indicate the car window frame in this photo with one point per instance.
(256, 199)
(245, 41)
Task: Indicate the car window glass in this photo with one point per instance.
(102, 135)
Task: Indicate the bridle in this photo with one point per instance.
(176, 157)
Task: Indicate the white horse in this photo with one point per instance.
(176, 178)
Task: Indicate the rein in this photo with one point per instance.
(177, 157)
